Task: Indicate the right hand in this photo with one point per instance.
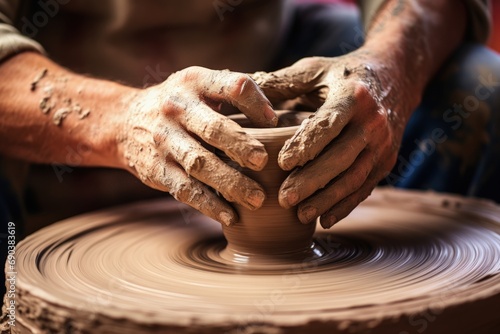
(160, 141)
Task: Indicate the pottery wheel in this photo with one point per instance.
(402, 262)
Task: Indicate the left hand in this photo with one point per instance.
(352, 140)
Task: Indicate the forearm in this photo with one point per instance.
(412, 38)
(48, 113)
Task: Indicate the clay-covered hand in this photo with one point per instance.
(348, 145)
(160, 143)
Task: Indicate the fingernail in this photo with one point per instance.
(307, 214)
(286, 161)
(255, 198)
(328, 221)
(291, 197)
(226, 218)
(258, 158)
(274, 121)
(270, 115)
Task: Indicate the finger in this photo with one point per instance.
(223, 133)
(345, 206)
(239, 90)
(349, 182)
(325, 125)
(169, 177)
(316, 174)
(290, 82)
(209, 169)
(315, 133)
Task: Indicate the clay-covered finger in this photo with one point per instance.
(223, 133)
(241, 91)
(316, 174)
(345, 206)
(206, 167)
(169, 177)
(290, 82)
(317, 131)
(347, 183)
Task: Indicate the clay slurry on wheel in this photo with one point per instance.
(401, 261)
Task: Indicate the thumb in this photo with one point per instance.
(290, 82)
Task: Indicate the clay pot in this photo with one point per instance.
(271, 232)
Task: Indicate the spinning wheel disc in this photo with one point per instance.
(400, 262)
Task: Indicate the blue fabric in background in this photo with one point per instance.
(452, 141)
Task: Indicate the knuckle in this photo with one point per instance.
(309, 62)
(362, 92)
(174, 105)
(363, 95)
(323, 121)
(181, 191)
(304, 62)
(193, 162)
(154, 174)
(160, 136)
(242, 84)
(311, 69)
(238, 185)
(188, 191)
(212, 131)
(188, 74)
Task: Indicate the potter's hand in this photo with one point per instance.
(349, 144)
(368, 95)
(160, 142)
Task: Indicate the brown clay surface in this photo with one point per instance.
(270, 234)
(402, 262)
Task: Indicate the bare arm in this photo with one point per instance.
(413, 38)
(150, 132)
(365, 99)
(45, 108)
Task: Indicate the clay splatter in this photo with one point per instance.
(60, 115)
(83, 113)
(37, 79)
(45, 106)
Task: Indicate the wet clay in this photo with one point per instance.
(37, 79)
(270, 234)
(50, 100)
(402, 262)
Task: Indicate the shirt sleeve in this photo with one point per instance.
(478, 11)
(11, 39)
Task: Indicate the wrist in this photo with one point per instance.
(394, 86)
(108, 124)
